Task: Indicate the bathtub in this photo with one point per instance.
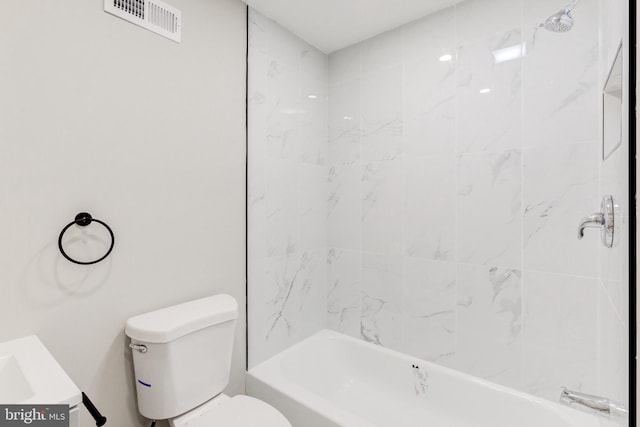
(331, 379)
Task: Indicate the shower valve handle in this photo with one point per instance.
(596, 221)
(603, 220)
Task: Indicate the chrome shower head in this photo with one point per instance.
(560, 22)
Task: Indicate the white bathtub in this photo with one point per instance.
(332, 379)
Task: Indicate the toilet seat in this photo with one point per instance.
(237, 411)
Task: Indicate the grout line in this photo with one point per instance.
(403, 308)
(523, 301)
(457, 188)
(246, 196)
(360, 192)
(607, 294)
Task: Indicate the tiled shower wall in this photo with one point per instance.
(287, 157)
(454, 193)
(613, 290)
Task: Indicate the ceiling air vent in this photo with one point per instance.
(153, 15)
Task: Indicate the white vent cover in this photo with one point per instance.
(153, 15)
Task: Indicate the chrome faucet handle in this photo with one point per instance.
(596, 221)
(591, 403)
(603, 220)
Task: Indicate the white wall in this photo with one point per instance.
(99, 115)
(287, 137)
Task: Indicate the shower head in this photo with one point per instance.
(560, 22)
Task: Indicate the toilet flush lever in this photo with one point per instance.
(138, 347)
(603, 220)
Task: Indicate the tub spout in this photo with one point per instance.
(590, 403)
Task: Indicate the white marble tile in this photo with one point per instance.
(291, 301)
(617, 293)
(281, 208)
(256, 206)
(560, 188)
(412, 148)
(488, 97)
(287, 189)
(269, 331)
(256, 98)
(283, 110)
(257, 32)
(429, 309)
(282, 45)
(614, 269)
(614, 175)
(344, 123)
(611, 20)
(343, 291)
(382, 51)
(613, 321)
(430, 208)
(614, 172)
(613, 351)
(381, 299)
(560, 334)
(382, 200)
(489, 209)
(561, 91)
(311, 301)
(313, 63)
(381, 103)
(613, 17)
(256, 155)
(623, 305)
(344, 207)
(312, 205)
(429, 116)
(613, 261)
(313, 119)
(539, 10)
(489, 323)
(430, 37)
(345, 64)
(256, 313)
(480, 19)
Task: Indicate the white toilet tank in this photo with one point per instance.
(182, 354)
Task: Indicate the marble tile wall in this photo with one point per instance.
(431, 206)
(613, 286)
(455, 190)
(287, 186)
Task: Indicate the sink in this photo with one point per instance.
(30, 375)
(14, 386)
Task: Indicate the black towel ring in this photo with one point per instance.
(83, 219)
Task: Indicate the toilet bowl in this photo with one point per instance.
(182, 362)
(237, 411)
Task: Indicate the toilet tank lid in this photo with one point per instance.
(168, 324)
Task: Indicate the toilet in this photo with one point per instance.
(182, 362)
